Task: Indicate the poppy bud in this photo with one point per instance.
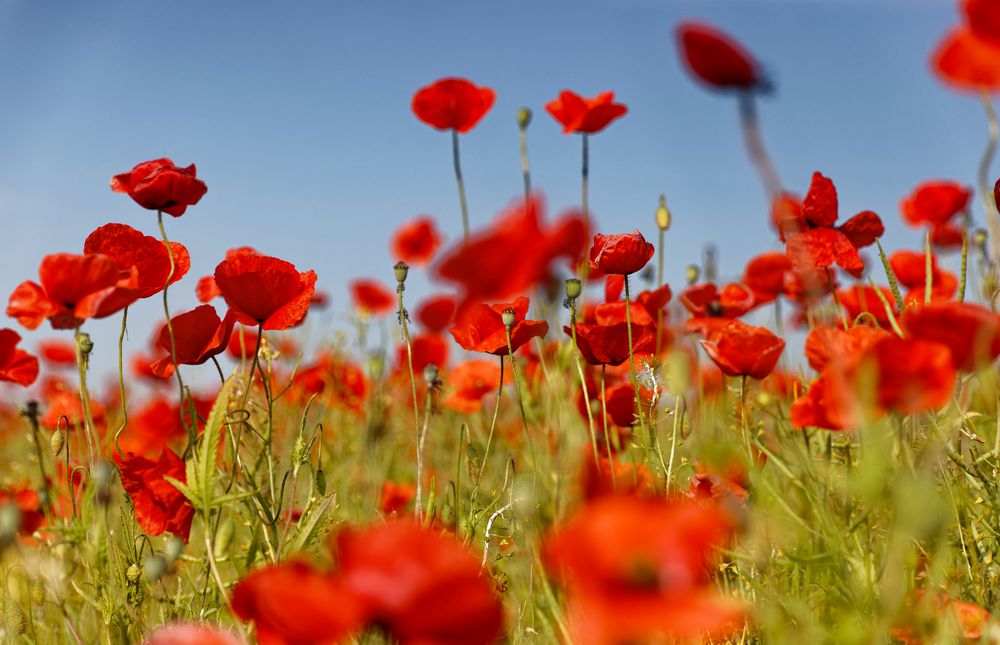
(85, 344)
(508, 318)
(320, 481)
(133, 573)
(523, 118)
(692, 273)
(573, 288)
(401, 269)
(979, 239)
(431, 374)
(224, 537)
(57, 441)
(663, 214)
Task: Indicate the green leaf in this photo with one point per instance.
(205, 456)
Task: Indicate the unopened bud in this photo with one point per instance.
(692, 273)
(979, 239)
(663, 214)
(401, 269)
(320, 481)
(57, 441)
(508, 318)
(573, 288)
(133, 573)
(523, 117)
(85, 344)
(431, 373)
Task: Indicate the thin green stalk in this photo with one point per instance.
(755, 145)
(890, 275)
(456, 158)
(489, 437)
(82, 360)
(121, 383)
(928, 272)
(417, 506)
(522, 135)
(607, 435)
(631, 357)
(963, 276)
(192, 427)
(583, 380)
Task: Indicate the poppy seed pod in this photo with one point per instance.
(692, 273)
(523, 117)
(57, 441)
(401, 269)
(979, 239)
(508, 317)
(85, 344)
(663, 214)
(573, 288)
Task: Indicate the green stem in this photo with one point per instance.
(456, 158)
(191, 428)
(90, 432)
(583, 381)
(489, 437)
(121, 383)
(417, 506)
(525, 168)
(963, 277)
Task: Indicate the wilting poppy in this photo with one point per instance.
(969, 331)
(452, 104)
(16, 365)
(469, 382)
(293, 604)
(586, 116)
(621, 254)
(72, 289)
(812, 239)
(416, 241)
(716, 59)
(158, 505)
(420, 585)
(743, 350)
(198, 335)
(159, 185)
(191, 634)
(265, 291)
(371, 297)
(936, 204)
(483, 330)
(436, 313)
(636, 570)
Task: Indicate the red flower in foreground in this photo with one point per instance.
(636, 570)
(452, 104)
(199, 335)
(72, 289)
(415, 242)
(16, 365)
(936, 204)
(159, 185)
(483, 329)
(191, 634)
(715, 59)
(812, 239)
(970, 332)
(158, 505)
(586, 116)
(371, 297)
(421, 585)
(621, 254)
(291, 604)
(265, 291)
(743, 350)
(470, 382)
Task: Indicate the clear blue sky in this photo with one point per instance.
(297, 114)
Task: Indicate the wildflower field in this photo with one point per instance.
(552, 444)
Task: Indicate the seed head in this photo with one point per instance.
(663, 214)
(508, 317)
(57, 441)
(401, 269)
(573, 288)
(523, 117)
(692, 273)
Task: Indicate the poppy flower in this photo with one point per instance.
(416, 242)
(862, 298)
(743, 350)
(72, 288)
(619, 400)
(636, 570)
(765, 275)
(936, 204)
(727, 483)
(157, 424)
(629, 479)
(586, 116)
(428, 349)
(717, 60)
(602, 344)
(469, 382)
(513, 255)
(191, 634)
(61, 400)
(483, 330)
(970, 332)
(422, 586)
(371, 297)
(265, 291)
(16, 365)
(343, 382)
(621, 254)
(291, 604)
(827, 345)
(158, 505)
(964, 619)
(436, 313)
(199, 335)
(159, 185)
(29, 504)
(814, 242)
(910, 268)
(966, 61)
(145, 255)
(711, 307)
(395, 497)
(452, 104)
(57, 352)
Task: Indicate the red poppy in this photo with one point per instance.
(395, 497)
(265, 291)
(61, 400)
(428, 349)
(29, 504)
(602, 344)
(291, 604)
(969, 331)
(483, 330)
(706, 300)
(452, 104)
(727, 483)
(586, 116)
(72, 289)
(470, 382)
(621, 254)
(371, 297)
(910, 268)
(191, 634)
(716, 59)
(636, 570)
(344, 381)
(436, 313)
(416, 242)
(863, 298)
(157, 424)
(199, 335)
(964, 619)
(514, 255)
(158, 505)
(826, 345)
(206, 290)
(619, 400)
(812, 239)
(967, 61)
(743, 350)
(629, 479)
(936, 204)
(57, 352)
(420, 585)
(159, 185)
(16, 365)
(765, 275)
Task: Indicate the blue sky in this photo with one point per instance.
(298, 117)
